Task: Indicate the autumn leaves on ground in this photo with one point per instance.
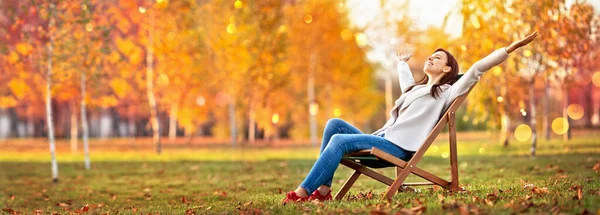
(563, 178)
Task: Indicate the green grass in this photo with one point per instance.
(222, 180)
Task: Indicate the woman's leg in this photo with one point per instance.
(334, 126)
(340, 144)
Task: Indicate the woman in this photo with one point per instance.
(411, 118)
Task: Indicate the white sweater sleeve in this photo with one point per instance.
(404, 75)
(474, 73)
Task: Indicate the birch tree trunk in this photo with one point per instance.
(532, 117)
(74, 130)
(150, 91)
(84, 124)
(232, 123)
(50, 123)
(173, 121)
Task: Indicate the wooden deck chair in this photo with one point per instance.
(360, 161)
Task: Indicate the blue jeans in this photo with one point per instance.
(340, 138)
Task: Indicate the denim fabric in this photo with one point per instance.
(340, 138)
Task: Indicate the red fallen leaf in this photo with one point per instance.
(279, 190)
(183, 200)
(247, 204)
(8, 210)
(190, 212)
(378, 212)
(596, 167)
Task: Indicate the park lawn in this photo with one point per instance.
(563, 178)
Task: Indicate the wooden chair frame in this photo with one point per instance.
(403, 169)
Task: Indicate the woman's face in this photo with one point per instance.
(436, 63)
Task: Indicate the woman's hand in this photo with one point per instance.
(402, 56)
(520, 43)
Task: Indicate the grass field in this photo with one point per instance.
(563, 178)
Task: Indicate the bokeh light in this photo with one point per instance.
(200, 101)
(308, 18)
(527, 53)
(231, 28)
(275, 118)
(523, 132)
(337, 112)
(361, 39)
(346, 35)
(497, 71)
(560, 125)
(313, 109)
(445, 154)
(238, 4)
(500, 99)
(89, 27)
(481, 150)
(142, 9)
(475, 23)
(596, 79)
(463, 48)
(575, 111)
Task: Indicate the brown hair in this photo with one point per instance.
(449, 78)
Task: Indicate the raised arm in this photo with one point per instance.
(404, 75)
(476, 71)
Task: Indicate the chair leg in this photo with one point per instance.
(347, 185)
(453, 153)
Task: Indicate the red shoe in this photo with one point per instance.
(316, 195)
(292, 197)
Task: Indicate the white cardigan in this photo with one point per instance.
(416, 112)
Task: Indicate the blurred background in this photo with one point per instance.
(165, 72)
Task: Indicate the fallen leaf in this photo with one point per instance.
(61, 204)
(378, 212)
(183, 200)
(8, 210)
(190, 212)
(596, 167)
(247, 204)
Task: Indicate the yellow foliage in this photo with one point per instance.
(120, 87)
(13, 58)
(7, 102)
(19, 88)
(125, 46)
(135, 57)
(23, 48)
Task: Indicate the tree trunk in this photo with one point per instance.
(532, 117)
(251, 123)
(311, 98)
(74, 130)
(546, 106)
(388, 95)
(84, 124)
(173, 121)
(505, 124)
(567, 135)
(232, 123)
(54, 164)
(150, 91)
(589, 105)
